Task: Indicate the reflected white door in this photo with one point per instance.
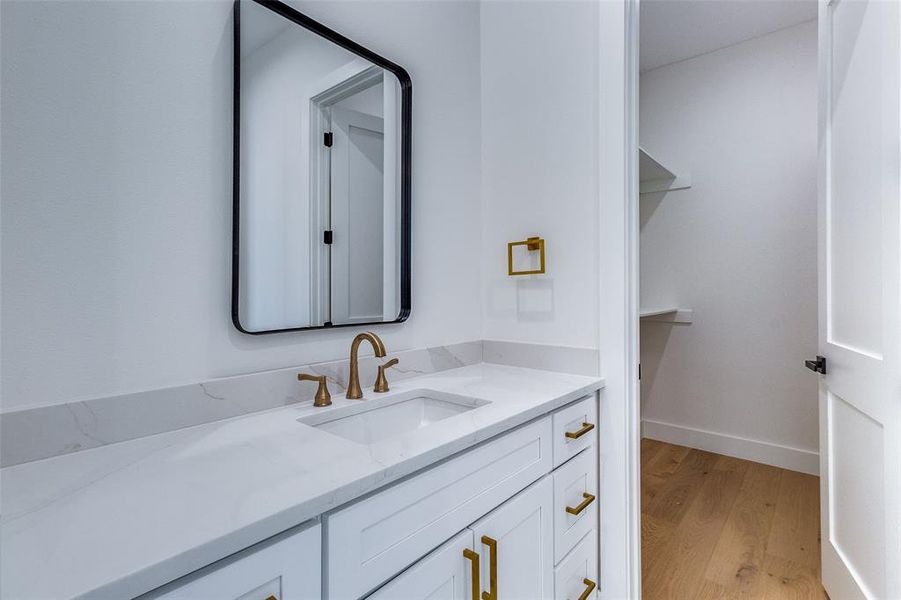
(860, 396)
(357, 269)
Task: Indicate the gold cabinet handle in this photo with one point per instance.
(491, 594)
(586, 427)
(589, 587)
(575, 510)
(476, 584)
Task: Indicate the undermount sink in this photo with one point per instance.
(373, 421)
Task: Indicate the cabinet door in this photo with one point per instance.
(372, 540)
(575, 501)
(521, 531)
(576, 577)
(286, 567)
(442, 575)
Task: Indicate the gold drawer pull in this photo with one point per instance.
(586, 427)
(271, 598)
(589, 587)
(476, 584)
(491, 594)
(574, 510)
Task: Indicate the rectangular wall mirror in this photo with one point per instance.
(321, 177)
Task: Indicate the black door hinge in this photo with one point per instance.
(327, 139)
(639, 371)
(818, 365)
(327, 236)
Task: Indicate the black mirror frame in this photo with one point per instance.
(406, 137)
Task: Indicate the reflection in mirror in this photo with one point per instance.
(321, 225)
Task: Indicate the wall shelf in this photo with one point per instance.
(666, 315)
(654, 177)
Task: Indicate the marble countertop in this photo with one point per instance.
(123, 519)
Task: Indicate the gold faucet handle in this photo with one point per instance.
(381, 382)
(322, 398)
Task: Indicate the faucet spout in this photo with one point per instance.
(354, 392)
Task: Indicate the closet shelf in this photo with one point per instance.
(654, 177)
(666, 315)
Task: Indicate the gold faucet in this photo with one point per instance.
(323, 398)
(354, 392)
(381, 382)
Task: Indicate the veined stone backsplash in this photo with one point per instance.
(33, 434)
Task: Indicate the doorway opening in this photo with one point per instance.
(728, 300)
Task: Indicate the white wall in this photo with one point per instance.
(553, 83)
(739, 248)
(618, 419)
(116, 192)
(539, 168)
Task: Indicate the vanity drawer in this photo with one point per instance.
(370, 541)
(575, 491)
(576, 578)
(575, 428)
(286, 567)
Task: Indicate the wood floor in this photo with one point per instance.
(716, 527)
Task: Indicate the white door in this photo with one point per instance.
(357, 215)
(860, 396)
(516, 542)
(442, 575)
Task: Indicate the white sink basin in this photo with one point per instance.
(372, 421)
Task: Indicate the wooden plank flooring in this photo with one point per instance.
(715, 527)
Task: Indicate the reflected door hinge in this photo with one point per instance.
(327, 139)
(327, 236)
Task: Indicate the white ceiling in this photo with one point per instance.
(673, 30)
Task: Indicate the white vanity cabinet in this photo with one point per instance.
(539, 544)
(286, 567)
(373, 539)
(513, 518)
(575, 494)
(445, 574)
(517, 537)
(576, 577)
(510, 548)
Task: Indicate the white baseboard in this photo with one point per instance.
(786, 457)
